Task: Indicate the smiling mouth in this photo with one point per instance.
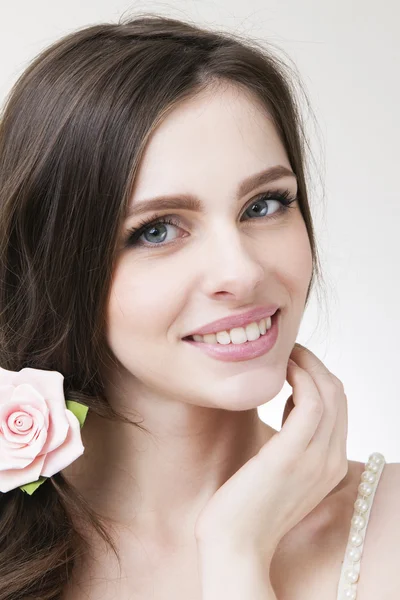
(216, 343)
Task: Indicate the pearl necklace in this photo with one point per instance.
(362, 509)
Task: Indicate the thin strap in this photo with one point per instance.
(347, 589)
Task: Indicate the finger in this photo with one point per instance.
(328, 386)
(289, 406)
(338, 442)
(303, 420)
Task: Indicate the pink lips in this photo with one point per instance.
(255, 314)
(242, 352)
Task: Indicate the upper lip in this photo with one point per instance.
(255, 314)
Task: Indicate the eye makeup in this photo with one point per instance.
(146, 225)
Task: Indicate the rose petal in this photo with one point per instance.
(40, 422)
(40, 393)
(15, 454)
(8, 377)
(22, 456)
(13, 478)
(70, 450)
(20, 422)
(50, 385)
(21, 395)
(6, 391)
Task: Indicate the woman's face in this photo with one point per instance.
(214, 262)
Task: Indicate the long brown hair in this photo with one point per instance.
(72, 133)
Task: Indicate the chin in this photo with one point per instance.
(245, 391)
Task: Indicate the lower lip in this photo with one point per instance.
(246, 351)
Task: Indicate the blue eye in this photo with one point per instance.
(154, 226)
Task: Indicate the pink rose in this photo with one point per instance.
(39, 435)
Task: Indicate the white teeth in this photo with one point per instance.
(237, 335)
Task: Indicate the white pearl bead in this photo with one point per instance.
(354, 554)
(365, 489)
(351, 575)
(368, 477)
(377, 458)
(358, 522)
(350, 594)
(361, 505)
(356, 539)
(371, 466)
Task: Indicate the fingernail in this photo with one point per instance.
(291, 362)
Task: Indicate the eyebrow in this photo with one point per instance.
(190, 202)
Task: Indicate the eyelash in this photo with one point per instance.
(135, 233)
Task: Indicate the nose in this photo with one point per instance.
(233, 265)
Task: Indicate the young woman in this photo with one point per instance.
(157, 255)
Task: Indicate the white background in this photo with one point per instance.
(347, 53)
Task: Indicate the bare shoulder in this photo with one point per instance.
(386, 508)
(380, 561)
(384, 514)
(389, 486)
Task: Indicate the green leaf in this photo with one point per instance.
(29, 488)
(78, 409)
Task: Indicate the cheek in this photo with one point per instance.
(296, 260)
(141, 305)
(302, 258)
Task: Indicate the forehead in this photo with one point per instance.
(208, 144)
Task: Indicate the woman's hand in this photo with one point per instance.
(291, 474)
